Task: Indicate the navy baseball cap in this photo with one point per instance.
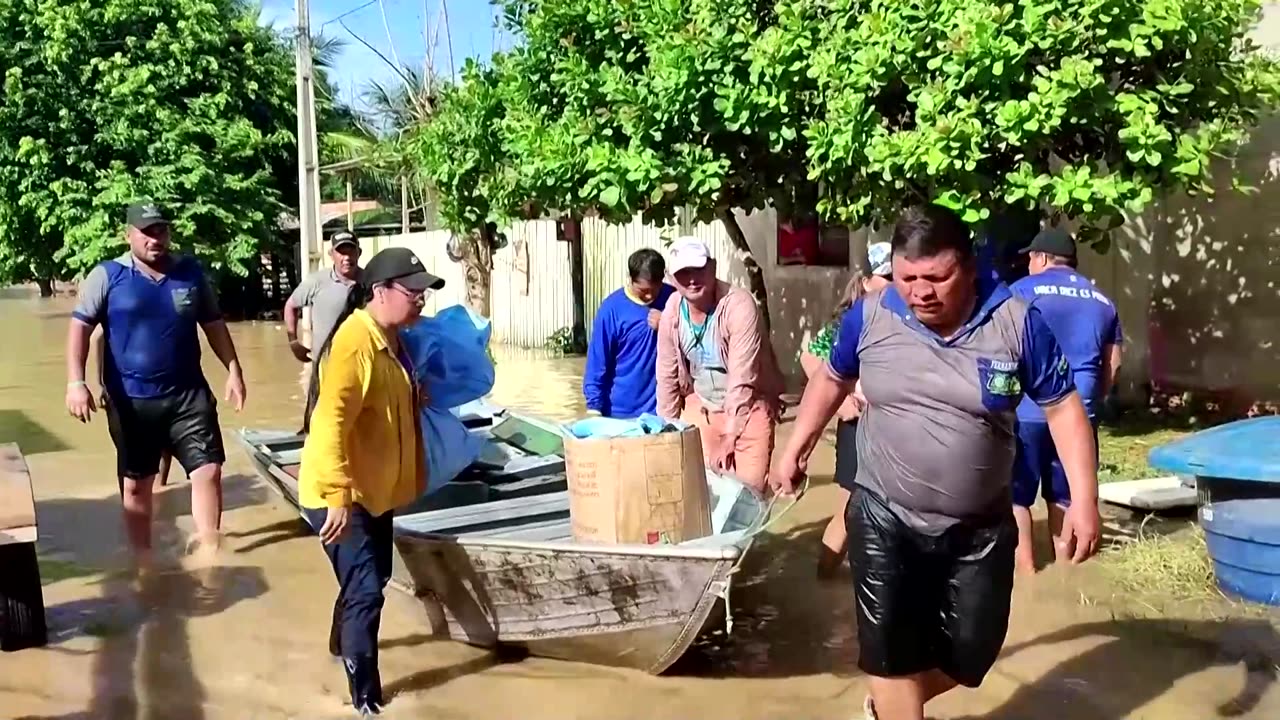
(1054, 241)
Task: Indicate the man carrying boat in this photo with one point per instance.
(325, 292)
(715, 359)
(620, 380)
(1085, 324)
(150, 303)
(945, 354)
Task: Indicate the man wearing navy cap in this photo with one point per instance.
(149, 303)
(1085, 324)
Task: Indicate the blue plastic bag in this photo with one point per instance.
(449, 354)
(603, 427)
(450, 358)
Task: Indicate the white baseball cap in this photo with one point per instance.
(880, 257)
(687, 252)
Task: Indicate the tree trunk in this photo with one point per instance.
(478, 271)
(755, 274)
(578, 285)
(46, 287)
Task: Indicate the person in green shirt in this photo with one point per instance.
(814, 360)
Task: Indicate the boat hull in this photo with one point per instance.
(632, 606)
(640, 612)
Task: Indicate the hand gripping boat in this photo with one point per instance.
(492, 561)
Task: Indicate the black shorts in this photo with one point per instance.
(929, 602)
(846, 453)
(184, 423)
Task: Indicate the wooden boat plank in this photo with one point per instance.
(1151, 494)
(547, 530)
(17, 501)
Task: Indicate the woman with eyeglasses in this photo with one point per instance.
(363, 456)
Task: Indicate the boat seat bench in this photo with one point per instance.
(501, 517)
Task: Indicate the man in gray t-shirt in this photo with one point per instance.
(945, 356)
(325, 292)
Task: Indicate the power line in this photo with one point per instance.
(352, 11)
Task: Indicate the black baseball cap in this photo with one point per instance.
(402, 266)
(1054, 241)
(344, 238)
(144, 215)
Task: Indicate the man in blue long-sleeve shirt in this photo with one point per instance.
(620, 380)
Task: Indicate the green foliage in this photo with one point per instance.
(1082, 107)
(462, 154)
(185, 102)
(848, 109)
(650, 107)
(562, 343)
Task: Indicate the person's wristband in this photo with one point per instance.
(77, 383)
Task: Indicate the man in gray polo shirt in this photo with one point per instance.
(944, 356)
(325, 292)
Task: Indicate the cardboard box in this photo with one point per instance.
(650, 490)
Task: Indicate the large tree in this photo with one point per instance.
(184, 102)
(463, 154)
(651, 107)
(1080, 108)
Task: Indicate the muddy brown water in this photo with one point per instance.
(248, 638)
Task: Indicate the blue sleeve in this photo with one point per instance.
(1044, 372)
(595, 377)
(1117, 333)
(844, 355)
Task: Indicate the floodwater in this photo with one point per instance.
(248, 638)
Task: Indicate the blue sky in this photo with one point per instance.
(470, 22)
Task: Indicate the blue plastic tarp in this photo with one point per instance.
(450, 358)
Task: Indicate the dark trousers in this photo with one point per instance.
(362, 563)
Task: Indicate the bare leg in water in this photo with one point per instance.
(835, 539)
(904, 698)
(1025, 555)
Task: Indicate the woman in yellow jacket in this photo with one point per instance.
(363, 454)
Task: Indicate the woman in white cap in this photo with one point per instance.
(814, 360)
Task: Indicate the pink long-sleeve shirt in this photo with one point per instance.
(753, 375)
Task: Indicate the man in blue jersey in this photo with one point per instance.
(150, 303)
(1085, 324)
(620, 380)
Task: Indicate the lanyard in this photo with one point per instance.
(698, 331)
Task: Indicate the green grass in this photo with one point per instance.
(52, 571)
(1123, 443)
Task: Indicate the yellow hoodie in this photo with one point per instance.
(365, 446)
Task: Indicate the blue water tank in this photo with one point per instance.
(1244, 543)
(1237, 469)
(1241, 450)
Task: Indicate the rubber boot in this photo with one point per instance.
(364, 683)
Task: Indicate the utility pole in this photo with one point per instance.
(308, 164)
